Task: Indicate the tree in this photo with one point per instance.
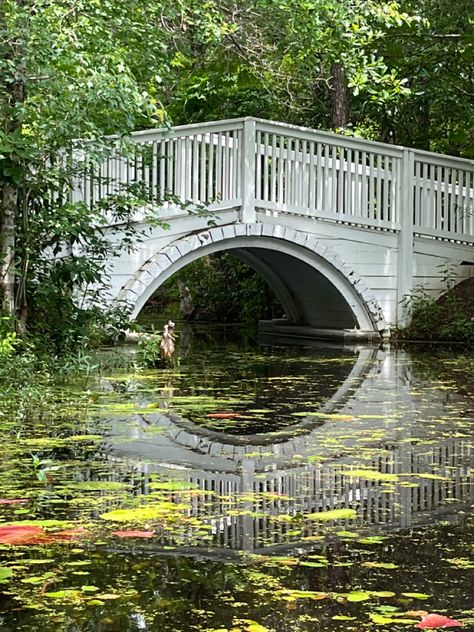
(69, 69)
(297, 59)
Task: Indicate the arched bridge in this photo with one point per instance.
(341, 228)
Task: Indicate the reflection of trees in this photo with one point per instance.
(449, 365)
(278, 382)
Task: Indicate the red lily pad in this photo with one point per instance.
(134, 534)
(16, 534)
(431, 621)
(13, 501)
(30, 534)
(223, 415)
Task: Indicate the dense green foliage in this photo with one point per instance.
(222, 289)
(448, 319)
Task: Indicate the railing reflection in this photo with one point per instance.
(255, 511)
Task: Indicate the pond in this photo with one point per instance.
(244, 487)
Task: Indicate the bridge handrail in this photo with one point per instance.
(352, 142)
(265, 166)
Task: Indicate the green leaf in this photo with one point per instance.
(333, 514)
(358, 595)
(5, 574)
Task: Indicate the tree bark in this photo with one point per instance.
(7, 247)
(339, 96)
(14, 89)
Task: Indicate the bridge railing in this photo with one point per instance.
(327, 176)
(443, 196)
(196, 164)
(258, 164)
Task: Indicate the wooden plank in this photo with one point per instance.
(388, 162)
(320, 179)
(371, 176)
(340, 181)
(258, 187)
(219, 166)
(355, 185)
(210, 170)
(304, 181)
(330, 215)
(348, 205)
(281, 171)
(202, 169)
(379, 202)
(265, 166)
(312, 178)
(333, 208)
(437, 224)
(273, 181)
(195, 170)
(452, 201)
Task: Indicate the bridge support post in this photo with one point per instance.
(249, 137)
(405, 237)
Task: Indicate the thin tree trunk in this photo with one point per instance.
(7, 247)
(14, 88)
(424, 124)
(339, 96)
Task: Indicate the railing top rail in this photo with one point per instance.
(441, 159)
(298, 130)
(208, 126)
(330, 137)
(157, 132)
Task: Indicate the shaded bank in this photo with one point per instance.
(450, 318)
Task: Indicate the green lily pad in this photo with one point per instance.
(333, 514)
(5, 574)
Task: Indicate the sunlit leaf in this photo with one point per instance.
(358, 595)
(387, 565)
(416, 595)
(371, 475)
(134, 534)
(333, 514)
(5, 574)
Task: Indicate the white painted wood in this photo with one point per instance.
(248, 171)
(405, 239)
(366, 203)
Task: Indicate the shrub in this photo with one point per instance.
(448, 319)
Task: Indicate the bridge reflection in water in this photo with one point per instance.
(258, 493)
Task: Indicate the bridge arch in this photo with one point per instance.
(314, 284)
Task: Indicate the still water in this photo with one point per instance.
(245, 487)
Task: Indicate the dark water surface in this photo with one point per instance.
(245, 488)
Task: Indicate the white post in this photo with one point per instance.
(249, 137)
(405, 237)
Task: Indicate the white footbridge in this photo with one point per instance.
(341, 228)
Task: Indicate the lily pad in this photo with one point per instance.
(333, 514)
(5, 574)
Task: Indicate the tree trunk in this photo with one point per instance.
(424, 124)
(339, 97)
(186, 300)
(7, 247)
(14, 89)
